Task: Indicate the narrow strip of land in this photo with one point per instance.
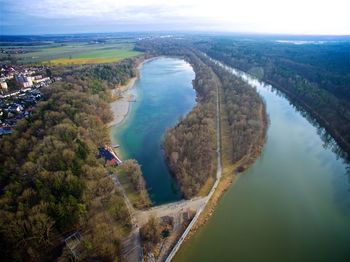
(218, 176)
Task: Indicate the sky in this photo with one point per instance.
(316, 17)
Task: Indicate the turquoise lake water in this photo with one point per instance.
(164, 93)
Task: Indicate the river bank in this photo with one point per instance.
(121, 106)
(226, 171)
(230, 174)
(125, 96)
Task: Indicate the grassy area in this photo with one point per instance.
(72, 53)
(96, 57)
(132, 194)
(81, 61)
(205, 189)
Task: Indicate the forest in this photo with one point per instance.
(245, 118)
(315, 76)
(52, 182)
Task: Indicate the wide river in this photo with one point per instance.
(164, 93)
(293, 204)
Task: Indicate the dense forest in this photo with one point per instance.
(190, 146)
(245, 118)
(52, 182)
(316, 76)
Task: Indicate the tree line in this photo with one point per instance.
(314, 76)
(133, 173)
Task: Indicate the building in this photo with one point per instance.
(111, 159)
(40, 79)
(24, 81)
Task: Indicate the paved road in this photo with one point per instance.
(131, 245)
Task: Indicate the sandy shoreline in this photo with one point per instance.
(128, 94)
(121, 106)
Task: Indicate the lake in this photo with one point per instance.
(164, 93)
(292, 204)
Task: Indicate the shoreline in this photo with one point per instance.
(121, 106)
(128, 94)
(230, 176)
(226, 174)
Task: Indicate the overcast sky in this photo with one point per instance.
(253, 16)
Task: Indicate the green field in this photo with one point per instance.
(73, 53)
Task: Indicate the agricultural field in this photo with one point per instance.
(71, 53)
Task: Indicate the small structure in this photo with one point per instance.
(109, 155)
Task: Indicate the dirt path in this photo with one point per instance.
(171, 209)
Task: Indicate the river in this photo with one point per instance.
(292, 204)
(164, 93)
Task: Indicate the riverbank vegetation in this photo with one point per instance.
(190, 146)
(150, 234)
(131, 178)
(315, 76)
(245, 120)
(52, 183)
(100, 79)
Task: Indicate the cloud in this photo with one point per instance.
(114, 9)
(288, 16)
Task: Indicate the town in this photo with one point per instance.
(19, 93)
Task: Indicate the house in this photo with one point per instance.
(40, 79)
(110, 157)
(24, 81)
